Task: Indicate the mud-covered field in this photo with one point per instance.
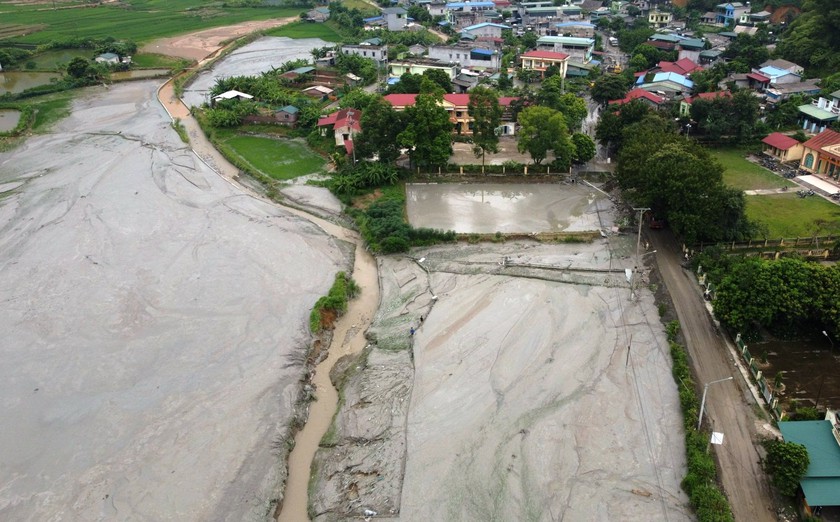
(154, 323)
(514, 399)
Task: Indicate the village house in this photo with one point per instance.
(396, 18)
(542, 60)
(466, 55)
(457, 105)
(374, 52)
(820, 113)
(685, 103)
(642, 95)
(576, 29)
(782, 147)
(691, 49)
(784, 65)
(344, 124)
(319, 14)
(108, 59)
(821, 154)
(421, 65)
(232, 95)
(465, 14)
(780, 93)
(299, 74)
(659, 19)
(579, 49)
(318, 91)
(730, 13)
(486, 30)
(821, 483)
(666, 84)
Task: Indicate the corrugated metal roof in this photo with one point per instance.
(817, 113)
(821, 483)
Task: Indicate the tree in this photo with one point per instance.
(486, 113)
(573, 107)
(381, 125)
(427, 131)
(584, 147)
(787, 462)
(529, 40)
(440, 77)
(609, 87)
(79, 67)
(543, 130)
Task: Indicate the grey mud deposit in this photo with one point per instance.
(154, 323)
(515, 399)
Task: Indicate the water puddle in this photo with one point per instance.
(9, 119)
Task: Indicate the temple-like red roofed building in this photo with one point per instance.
(542, 60)
(821, 154)
(457, 105)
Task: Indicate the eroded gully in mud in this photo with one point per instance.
(348, 335)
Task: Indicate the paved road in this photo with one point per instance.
(728, 405)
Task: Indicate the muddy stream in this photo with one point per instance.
(348, 335)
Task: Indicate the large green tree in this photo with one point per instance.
(543, 130)
(787, 462)
(381, 125)
(584, 147)
(609, 87)
(427, 132)
(552, 95)
(486, 113)
(813, 38)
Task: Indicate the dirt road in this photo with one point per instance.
(729, 407)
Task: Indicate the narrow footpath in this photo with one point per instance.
(729, 405)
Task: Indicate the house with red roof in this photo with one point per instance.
(344, 124)
(640, 94)
(821, 154)
(457, 105)
(782, 147)
(683, 66)
(542, 60)
(685, 103)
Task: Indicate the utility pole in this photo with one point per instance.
(703, 402)
(641, 212)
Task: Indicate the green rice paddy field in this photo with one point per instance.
(136, 20)
(280, 159)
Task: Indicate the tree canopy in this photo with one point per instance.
(427, 132)
(543, 130)
(787, 462)
(381, 125)
(813, 38)
(486, 112)
(609, 87)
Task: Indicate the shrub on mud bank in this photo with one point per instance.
(334, 304)
(386, 231)
(700, 481)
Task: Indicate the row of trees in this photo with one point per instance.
(673, 175)
(790, 297)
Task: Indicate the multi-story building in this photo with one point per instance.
(820, 113)
(375, 52)
(542, 60)
(466, 55)
(457, 105)
(730, 13)
(396, 18)
(658, 19)
(821, 154)
(579, 49)
(421, 65)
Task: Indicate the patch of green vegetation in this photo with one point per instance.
(278, 159)
(700, 481)
(334, 304)
(745, 175)
(324, 31)
(141, 21)
(50, 109)
(58, 59)
(789, 216)
(361, 5)
(181, 130)
(158, 61)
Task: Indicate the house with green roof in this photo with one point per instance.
(820, 113)
(821, 483)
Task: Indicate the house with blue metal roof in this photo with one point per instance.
(667, 84)
(578, 49)
(777, 75)
(821, 483)
(486, 30)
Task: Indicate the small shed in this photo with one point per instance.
(232, 95)
(287, 115)
(108, 58)
(783, 147)
(317, 91)
(352, 80)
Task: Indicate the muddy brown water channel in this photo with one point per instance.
(811, 369)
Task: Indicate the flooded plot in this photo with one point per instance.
(809, 369)
(8, 119)
(252, 59)
(139, 74)
(485, 208)
(18, 81)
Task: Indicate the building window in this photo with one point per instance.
(809, 161)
